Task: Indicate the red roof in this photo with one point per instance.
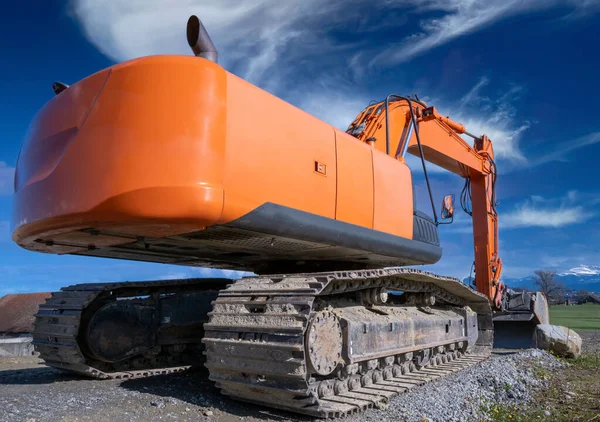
(17, 311)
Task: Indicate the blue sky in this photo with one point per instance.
(523, 72)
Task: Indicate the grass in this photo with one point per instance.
(577, 317)
(586, 361)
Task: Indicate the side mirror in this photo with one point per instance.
(448, 207)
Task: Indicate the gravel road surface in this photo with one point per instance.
(33, 392)
(590, 341)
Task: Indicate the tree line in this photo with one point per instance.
(554, 289)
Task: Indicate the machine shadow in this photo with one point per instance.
(195, 388)
(32, 376)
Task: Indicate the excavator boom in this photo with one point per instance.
(408, 125)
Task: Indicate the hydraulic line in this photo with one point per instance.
(416, 129)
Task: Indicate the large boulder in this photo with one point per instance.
(561, 341)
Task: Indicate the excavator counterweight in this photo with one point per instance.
(172, 159)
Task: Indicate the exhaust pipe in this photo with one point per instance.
(199, 41)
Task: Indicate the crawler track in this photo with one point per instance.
(59, 321)
(255, 341)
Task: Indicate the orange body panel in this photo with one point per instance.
(169, 145)
(271, 152)
(144, 159)
(393, 211)
(354, 181)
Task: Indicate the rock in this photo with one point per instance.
(547, 413)
(208, 413)
(381, 405)
(557, 339)
(158, 404)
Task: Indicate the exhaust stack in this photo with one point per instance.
(199, 41)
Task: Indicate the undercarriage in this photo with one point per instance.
(322, 344)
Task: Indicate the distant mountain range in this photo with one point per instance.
(583, 277)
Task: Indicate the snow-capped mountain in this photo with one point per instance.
(582, 277)
(582, 270)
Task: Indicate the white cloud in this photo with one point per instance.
(529, 215)
(187, 272)
(462, 17)
(501, 128)
(565, 147)
(473, 94)
(172, 276)
(216, 273)
(536, 211)
(264, 41)
(7, 176)
(337, 106)
(540, 212)
(495, 117)
(281, 46)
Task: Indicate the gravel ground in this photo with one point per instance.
(590, 341)
(504, 379)
(32, 392)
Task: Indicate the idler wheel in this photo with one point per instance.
(120, 330)
(324, 343)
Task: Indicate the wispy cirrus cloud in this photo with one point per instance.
(562, 150)
(474, 94)
(498, 118)
(264, 35)
(263, 41)
(538, 211)
(495, 116)
(284, 47)
(462, 17)
(290, 48)
(532, 215)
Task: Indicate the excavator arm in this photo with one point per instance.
(398, 125)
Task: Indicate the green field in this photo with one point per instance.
(577, 317)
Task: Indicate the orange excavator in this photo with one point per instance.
(172, 159)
